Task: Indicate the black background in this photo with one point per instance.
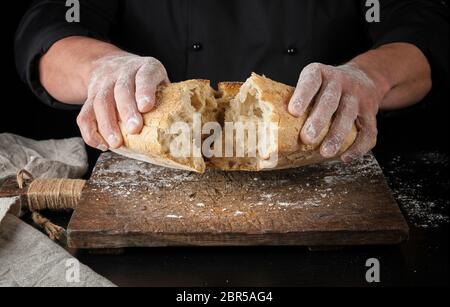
(423, 261)
(21, 112)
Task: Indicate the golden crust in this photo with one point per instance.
(176, 99)
(229, 89)
(171, 101)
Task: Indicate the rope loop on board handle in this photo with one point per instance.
(22, 176)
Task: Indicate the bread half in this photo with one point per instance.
(178, 102)
(260, 99)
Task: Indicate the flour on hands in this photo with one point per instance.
(121, 88)
(340, 96)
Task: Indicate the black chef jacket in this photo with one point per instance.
(228, 39)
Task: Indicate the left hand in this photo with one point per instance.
(340, 96)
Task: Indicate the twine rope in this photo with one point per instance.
(22, 176)
(50, 194)
(54, 194)
(54, 232)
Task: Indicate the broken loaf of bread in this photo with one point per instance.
(259, 102)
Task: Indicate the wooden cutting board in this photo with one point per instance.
(128, 203)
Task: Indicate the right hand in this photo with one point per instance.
(121, 88)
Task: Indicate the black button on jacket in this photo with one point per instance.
(228, 39)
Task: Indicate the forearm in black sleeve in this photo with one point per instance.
(423, 23)
(45, 23)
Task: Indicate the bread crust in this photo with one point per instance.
(171, 101)
(197, 96)
(229, 89)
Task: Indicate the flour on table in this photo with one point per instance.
(411, 191)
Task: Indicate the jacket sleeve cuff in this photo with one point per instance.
(37, 47)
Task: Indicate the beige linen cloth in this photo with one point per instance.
(27, 257)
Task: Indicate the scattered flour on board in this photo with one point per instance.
(411, 190)
(238, 213)
(136, 179)
(174, 216)
(323, 193)
(137, 174)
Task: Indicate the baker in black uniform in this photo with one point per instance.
(350, 66)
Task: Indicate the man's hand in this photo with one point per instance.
(121, 88)
(112, 85)
(342, 96)
(393, 76)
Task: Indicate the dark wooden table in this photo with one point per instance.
(420, 181)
